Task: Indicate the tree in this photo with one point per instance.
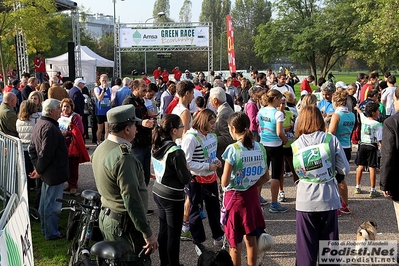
(215, 11)
(161, 6)
(312, 32)
(28, 14)
(185, 12)
(378, 34)
(247, 15)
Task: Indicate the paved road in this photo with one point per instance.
(282, 225)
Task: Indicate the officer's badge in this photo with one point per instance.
(124, 149)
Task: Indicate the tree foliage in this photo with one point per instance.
(378, 32)
(185, 12)
(247, 15)
(161, 6)
(313, 32)
(31, 18)
(215, 12)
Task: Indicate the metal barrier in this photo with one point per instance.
(9, 167)
(15, 230)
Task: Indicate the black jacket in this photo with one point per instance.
(176, 173)
(78, 99)
(25, 92)
(143, 135)
(389, 178)
(48, 152)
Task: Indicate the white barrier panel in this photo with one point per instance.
(15, 230)
(16, 239)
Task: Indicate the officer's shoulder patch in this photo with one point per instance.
(125, 150)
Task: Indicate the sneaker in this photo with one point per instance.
(345, 208)
(281, 196)
(150, 212)
(263, 202)
(218, 241)
(339, 213)
(278, 208)
(186, 236)
(288, 174)
(358, 190)
(374, 194)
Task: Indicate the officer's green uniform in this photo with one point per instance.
(119, 179)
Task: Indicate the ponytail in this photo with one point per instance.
(248, 139)
(162, 132)
(240, 121)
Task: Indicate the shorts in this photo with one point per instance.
(245, 215)
(101, 119)
(275, 155)
(367, 155)
(348, 153)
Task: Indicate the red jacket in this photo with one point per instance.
(77, 148)
(305, 86)
(147, 81)
(39, 65)
(177, 73)
(157, 73)
(236, 83)
(165, 76)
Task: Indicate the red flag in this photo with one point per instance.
(230, 44)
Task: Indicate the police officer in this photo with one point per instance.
(119, 178)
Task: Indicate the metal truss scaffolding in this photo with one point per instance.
(76, 40)
(208, 49)
(21, 44)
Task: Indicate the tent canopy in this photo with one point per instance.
(90, 61)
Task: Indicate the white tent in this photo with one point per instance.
(90, 61)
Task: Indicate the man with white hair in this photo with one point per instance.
(49, 155)
(123, 92)
(217, 98)
(219, 83)
(77, 97)
(56, 91)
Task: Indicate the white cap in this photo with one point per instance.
(79, 80)
(304, 92)
(341, 84)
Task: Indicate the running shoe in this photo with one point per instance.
(358, 190)
(374, 194)
(345, 208)
(288, 174)
(263, 202)
(278, 208)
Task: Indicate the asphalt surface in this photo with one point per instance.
(282, 225)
